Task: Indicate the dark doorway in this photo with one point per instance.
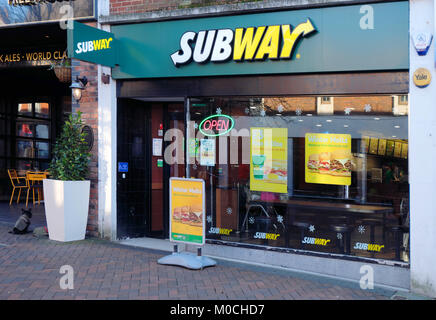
(143, 175)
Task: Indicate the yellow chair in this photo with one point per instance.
(16, 184)
(34, 181)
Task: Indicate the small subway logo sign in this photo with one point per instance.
(223, 231)
(274, 42)
(368, 246)
(93, 45)
(315, 241)
(266, 236)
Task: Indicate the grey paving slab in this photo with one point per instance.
(29, 268)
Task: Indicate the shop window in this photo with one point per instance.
(42, 131)
(325, 105)
(24, 109)
(24, 129)
(400, 105)
(330, 182)
(403, 100)
(326, 100)
(25, 149)
(42, 110)
(32, 135)
(42, 150)
(23, 166)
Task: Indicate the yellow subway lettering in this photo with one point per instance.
(270, 44)
(246, 42)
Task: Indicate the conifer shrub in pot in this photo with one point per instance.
(66, 192)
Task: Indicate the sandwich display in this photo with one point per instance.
(340, 163)
(181, 214)
(324, 162)
(196, 215)
(313, 163)
(192, 215)
(177, 214)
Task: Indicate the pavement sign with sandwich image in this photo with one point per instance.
(187, 210)
(187, 222)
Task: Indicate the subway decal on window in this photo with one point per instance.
(276, 42)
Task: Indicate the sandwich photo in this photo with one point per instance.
(340, 163)
(313, 163)
(324, 162)
(278, 172)
(196, 215)
(177, 214)
(184, 215)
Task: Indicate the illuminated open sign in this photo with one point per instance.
(216, 125)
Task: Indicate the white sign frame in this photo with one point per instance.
(204, 210)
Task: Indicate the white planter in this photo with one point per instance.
(66, 209)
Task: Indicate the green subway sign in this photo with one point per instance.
(92, 45)
(320, 40)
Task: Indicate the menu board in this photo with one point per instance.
(365, 141)
(382, 147)
(328, 158)
(397, 149)
(269, 159)
(187, 210)
(373, 145)
(404, 150)
(390, 148)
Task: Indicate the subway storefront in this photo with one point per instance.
(297, 121)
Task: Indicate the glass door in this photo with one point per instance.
(174, 164)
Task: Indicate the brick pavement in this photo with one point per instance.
(30, 269)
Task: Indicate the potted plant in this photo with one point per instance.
(66, 193)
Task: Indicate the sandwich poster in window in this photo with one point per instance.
(187, 211)
(328, 158)
(269, 159)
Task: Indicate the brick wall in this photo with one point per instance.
(379, 104)
(119, 7)
(88, 105)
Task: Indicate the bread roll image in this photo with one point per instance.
(185, 214)
(324, 162)
(196, 208)
(340, 163)
(195, 215)
(177, 214)
(313, 162)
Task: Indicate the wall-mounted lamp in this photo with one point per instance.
(77, 86)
